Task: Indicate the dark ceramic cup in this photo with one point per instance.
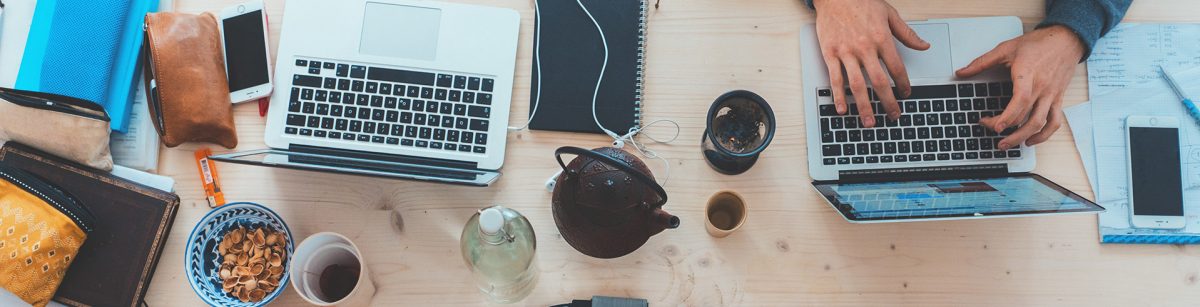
(739, 127)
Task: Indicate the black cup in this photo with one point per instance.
(739, 127)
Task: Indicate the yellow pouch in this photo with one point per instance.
(41, 230)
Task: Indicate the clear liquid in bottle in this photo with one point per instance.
(498, 246)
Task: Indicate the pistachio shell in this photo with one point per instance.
(257, 295)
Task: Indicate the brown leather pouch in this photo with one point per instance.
(185, 80)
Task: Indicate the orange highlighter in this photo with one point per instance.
(208, 174)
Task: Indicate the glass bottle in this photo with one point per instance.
(498, 247)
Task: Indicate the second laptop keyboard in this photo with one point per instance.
(379, 105)
(937, 123)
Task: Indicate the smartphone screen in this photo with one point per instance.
(245, 51)
(1155, 170)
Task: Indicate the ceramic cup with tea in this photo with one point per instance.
(328, 270)
(725, 213)
(739, 127)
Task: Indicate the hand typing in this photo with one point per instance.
(854, 36)
(1041, 63)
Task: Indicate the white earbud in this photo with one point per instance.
(552, 181)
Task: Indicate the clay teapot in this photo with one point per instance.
(606, 202)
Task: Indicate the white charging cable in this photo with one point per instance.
(619, 141)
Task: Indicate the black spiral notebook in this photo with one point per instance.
(571, 57)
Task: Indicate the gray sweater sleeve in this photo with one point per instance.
(1089, 19)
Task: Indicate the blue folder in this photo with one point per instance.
(86, 49)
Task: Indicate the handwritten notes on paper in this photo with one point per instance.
(1131, 53)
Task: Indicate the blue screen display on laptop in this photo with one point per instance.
(1027, 194)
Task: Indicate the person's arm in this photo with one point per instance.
(1088, 19)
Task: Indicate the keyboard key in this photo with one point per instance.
(445, 80)
(484, 99)
(306, 81)
(439, 134)
(966, 90)
(831, 150)
(964, 105)
(930, 157)
(479, 125)
(326, 123)
(341, 124)
(972, 156)
(924, 106)
(385, 88)
(473, 83)
(295, 120)
(1000, 154)
(343, 84)
(994, 89)
(943, 157)
(901, 158)
(1014, 153)
(464, 148)
(455, 96)
(306, 132)
(291, 130)
(827, 110)
(939, 105)
(419, 119)
(985, 155)
(461, 123)
(1006, 89)
(452, 135)
(468, 97)
(343, 70)
(314, 71)
(410, 131)
(851, 122)
(377, 139)
(440, 94)
(450, 146)
(447, 121)
(301, 62)
(843, 161)
(413, 91)
(405, 104)
(427, 92)
(356, 126)
(993, 104)
(461, 110)
(855, 136)
(488, 85)
(398, 90)
(885, 159)
(857, 160)
(435, 145)
(981, 89)
(933, 91)
(841, 136)
(829, 161)
(401, 76)
(358, 72)
(376, 101)
(431, 106)
(357, 86)
(393, 141)
(481, 139)
(460, 82)
(872, 160)
(426, 133)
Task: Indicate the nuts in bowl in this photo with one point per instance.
(238, 256)
(252, 264)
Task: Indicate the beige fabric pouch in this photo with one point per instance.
(71, 128)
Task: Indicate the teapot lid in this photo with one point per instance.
(609, 160)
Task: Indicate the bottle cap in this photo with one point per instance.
(491, 220)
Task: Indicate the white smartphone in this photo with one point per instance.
(247, 55)
(1155, 172)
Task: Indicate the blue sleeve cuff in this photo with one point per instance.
(1088, 19)
(810, 4)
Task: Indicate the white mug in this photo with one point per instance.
(316, 253)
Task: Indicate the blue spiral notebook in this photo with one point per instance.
(86, 49)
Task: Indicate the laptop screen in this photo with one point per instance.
(936, 199)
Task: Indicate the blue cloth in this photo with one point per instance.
(1089, 19)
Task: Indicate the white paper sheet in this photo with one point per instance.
(137, 148)
(1131, 53)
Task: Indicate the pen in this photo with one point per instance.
(1187, 101)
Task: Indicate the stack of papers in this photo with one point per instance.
(1123, 80)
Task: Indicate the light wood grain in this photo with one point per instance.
(794, 250)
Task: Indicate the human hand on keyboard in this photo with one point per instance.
(854, 36)
(1042, 63)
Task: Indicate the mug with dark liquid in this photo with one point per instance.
(739, 126)
(327, 269)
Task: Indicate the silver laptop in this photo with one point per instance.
(391, 88)
(936, 161)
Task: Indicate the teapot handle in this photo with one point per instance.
(662, 194)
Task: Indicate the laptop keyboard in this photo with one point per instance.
(376, 105)
(937, 123)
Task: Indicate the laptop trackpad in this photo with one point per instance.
(932, 63)
(400, 31)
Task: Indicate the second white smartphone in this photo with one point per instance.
(247, 55)
(1155, 172)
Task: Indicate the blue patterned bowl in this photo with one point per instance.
(201, 261)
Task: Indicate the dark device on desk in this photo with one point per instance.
(568, 58)
(115, 264)
(1155, 172)
(936, 161)
(247, 57)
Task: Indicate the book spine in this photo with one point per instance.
(641, 66)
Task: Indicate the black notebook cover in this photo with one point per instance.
(115, 263)
(571, 56)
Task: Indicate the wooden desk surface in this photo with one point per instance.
(794, 249)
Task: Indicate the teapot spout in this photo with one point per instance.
(664, 220)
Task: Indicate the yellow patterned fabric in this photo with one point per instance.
(37, 244)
